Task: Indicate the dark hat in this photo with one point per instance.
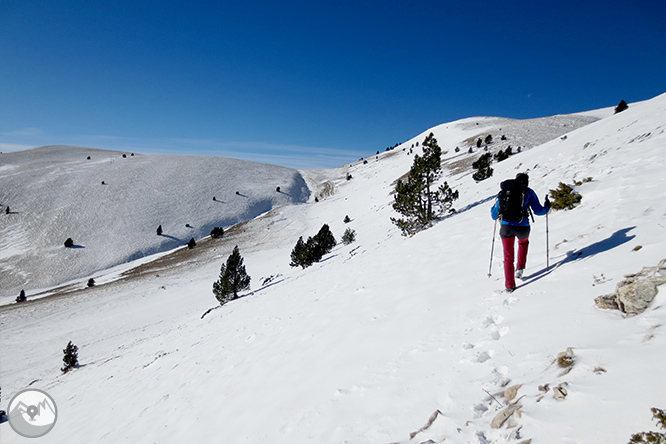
(523, 179)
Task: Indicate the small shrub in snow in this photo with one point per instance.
(652, 437)
(69, 243)
(70, 358)
(581, 182)
(277, 189)
(233, 278)
(21, 297)
(347, 219)
(191, 244)
(349, 236)
(564, 197)
(565, 361)
(159, 230)
(91, 282)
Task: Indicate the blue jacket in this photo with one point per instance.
(531, 201)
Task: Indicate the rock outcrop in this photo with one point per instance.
(635, 292)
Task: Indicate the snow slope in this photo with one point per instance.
(55, 193)
(366, 345)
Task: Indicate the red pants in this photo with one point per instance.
(508, 244)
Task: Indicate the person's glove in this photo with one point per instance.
(547, 203)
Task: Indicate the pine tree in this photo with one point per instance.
(191, 244)
(482, 165)
(414, 197)
(621, 106)
(323, 242)
(217, 232)
(21, 297)
(159, 230)
(69, 243)
(233, 278)
(71, 357)
(299, 255)
(305, 254)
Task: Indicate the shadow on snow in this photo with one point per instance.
(616, 239)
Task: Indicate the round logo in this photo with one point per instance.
(32, 413)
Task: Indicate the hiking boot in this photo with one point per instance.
(519, 273)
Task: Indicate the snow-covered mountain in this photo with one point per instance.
(383, 336)
(111, 203)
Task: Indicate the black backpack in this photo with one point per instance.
(511, 198)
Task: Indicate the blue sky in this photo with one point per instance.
(309, 84)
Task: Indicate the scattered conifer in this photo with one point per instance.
(415, 197)
(482, 165)
(233, 278)
(349, 236)
(621, 107)
(21, 297)
(305, 254)
(71, 357)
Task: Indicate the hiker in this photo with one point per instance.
(514, 205)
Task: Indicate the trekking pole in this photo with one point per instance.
(492, 249)
(547, 255)
(547, 248)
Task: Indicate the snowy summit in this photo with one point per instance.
(386, 339)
